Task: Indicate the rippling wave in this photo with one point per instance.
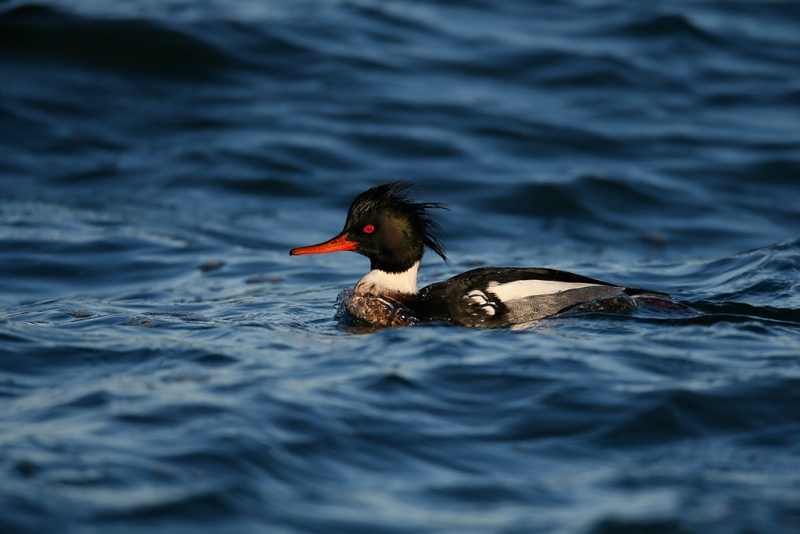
(165, 365)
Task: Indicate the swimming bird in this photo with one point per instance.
(391, 228)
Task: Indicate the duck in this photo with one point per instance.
(393, 228)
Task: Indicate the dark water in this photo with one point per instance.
(165, 366)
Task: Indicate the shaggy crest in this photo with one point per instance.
(397, 198)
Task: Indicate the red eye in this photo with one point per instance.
(368, 229)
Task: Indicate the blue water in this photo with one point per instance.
(166, 367)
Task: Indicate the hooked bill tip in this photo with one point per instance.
(338, 243)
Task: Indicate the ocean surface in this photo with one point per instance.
(166, 367)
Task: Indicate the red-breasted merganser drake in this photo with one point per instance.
(392, 229)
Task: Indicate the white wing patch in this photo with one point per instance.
(520, 289)
(479, 299)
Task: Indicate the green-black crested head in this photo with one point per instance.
(392, 227)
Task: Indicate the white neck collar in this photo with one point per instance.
(380, 282)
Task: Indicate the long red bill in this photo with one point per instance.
(336, 244)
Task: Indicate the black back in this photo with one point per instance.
(450, 300)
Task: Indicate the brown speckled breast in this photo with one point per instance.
(376, 310)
